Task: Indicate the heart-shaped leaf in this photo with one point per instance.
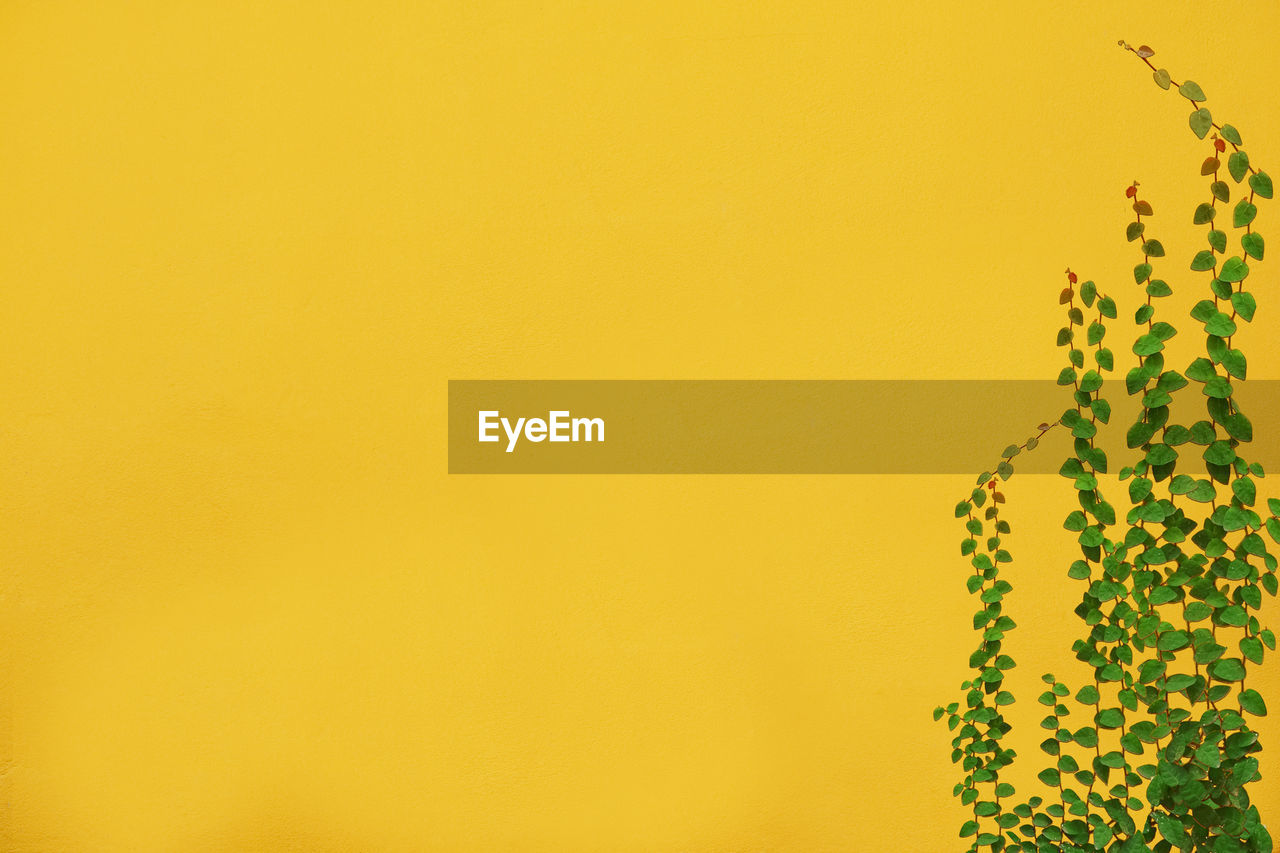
(1253, 245)
(1251, 701)
(1233, 270)
(1244, 213)
(1260, 183)
(1236, 364)
(1203, 261)
(1201, 120)
(1191, 90)
(1245, 304)
(1238, 165)
(1220, 325)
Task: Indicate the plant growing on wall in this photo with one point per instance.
(1156, 751)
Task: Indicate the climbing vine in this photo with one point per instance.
(1154, 752)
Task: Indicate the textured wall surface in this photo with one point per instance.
(243, 246)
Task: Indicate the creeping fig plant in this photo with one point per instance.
(1156, 751)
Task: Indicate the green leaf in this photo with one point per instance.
(1232, 135)
(1192, 91)
(1171, 380)
(1244, 213)
(1234, 518)
(1227, 669)
(1139, 434)
(1234, 269)
(1245, 304)
(1238, 165)
(1172, 830)
(1139, 488)
(1234, 361)
(985, 809)
(1198, 610)
(1203, 310)
(1253, 244)
(1238, 426)
(1152, 669)
(1260, 183)
(1153, 248)
(1141, 273)
(1112, 759)
(1201, 370)
(1204, 213)
(1203, 492)
(1218, 387)
(1107, 307)
(1134, 230)
(1161, 77)
(1208, 755)
(1203, 260)
(1200, 120)
(1251, 701)
(1233, 616)
(1215, 346)
(1148, 345)
(1220, 325)
(1221, 191)
(1088, 695)
(1218, 240)
(1111, 718)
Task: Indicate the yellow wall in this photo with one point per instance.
(242, 248)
